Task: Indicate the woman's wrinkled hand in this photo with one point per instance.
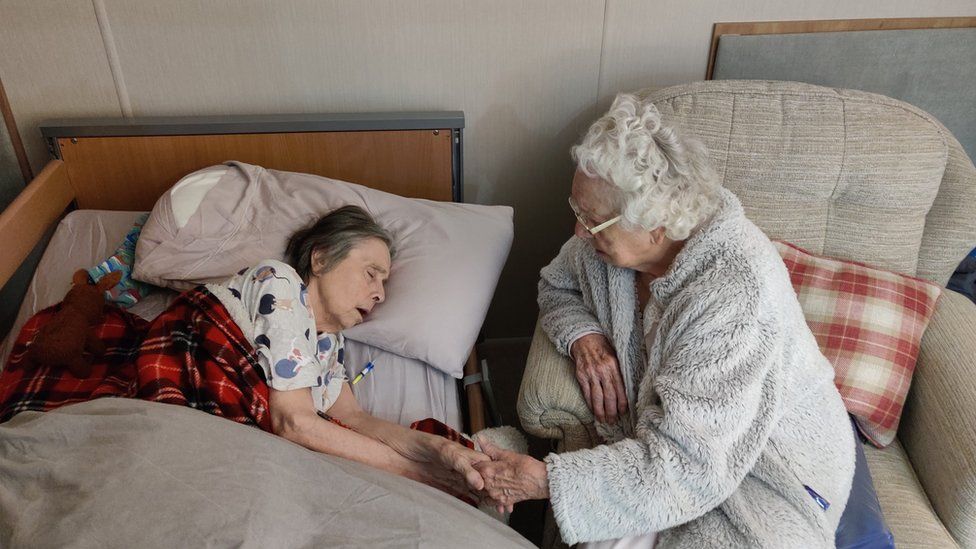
(441, 453)
(461, 460)
(433, 474)
(598, 374)
(510, 477)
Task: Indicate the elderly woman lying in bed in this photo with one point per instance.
(263, 348)
(294, 314)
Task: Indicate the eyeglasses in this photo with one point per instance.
(585, 222)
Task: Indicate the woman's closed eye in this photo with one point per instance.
(375, 273)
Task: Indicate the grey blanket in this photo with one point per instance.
(128, 473)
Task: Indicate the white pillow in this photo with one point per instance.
(449, 256)
(186, 195)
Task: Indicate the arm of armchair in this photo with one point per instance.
(550, 402)
(938, 427)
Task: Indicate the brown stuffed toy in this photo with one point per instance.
(62, 342)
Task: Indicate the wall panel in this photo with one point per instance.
(53, 65)
(530, 76)
(525, 74)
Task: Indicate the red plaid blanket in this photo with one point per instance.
(23, 387)
(434, 427)
(193, 354)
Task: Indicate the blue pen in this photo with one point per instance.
(361, 375)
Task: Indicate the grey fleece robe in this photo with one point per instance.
(733, 409)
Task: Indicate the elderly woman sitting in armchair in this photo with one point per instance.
(721, 422)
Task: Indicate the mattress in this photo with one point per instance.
(399, 389)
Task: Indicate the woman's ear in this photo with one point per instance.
(657, 235)
(316, 262)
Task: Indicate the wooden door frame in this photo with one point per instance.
(8, 118)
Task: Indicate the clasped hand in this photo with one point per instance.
(497, 477)
(511, 477)
(445, 465)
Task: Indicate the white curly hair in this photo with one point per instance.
(662, 179)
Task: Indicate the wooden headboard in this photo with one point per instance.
(126, 164)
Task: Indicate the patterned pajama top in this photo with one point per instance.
(290, 352)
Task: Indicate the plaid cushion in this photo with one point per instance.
(869, 324)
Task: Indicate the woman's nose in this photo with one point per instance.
(581, 231)
(379, 295)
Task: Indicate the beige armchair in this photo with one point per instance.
(853, 175)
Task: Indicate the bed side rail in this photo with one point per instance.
(23, 223)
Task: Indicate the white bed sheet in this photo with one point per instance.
(399, 389)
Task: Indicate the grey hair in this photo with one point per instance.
(661, 178)
(333, 235)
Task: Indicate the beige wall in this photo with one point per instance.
(528, 75)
